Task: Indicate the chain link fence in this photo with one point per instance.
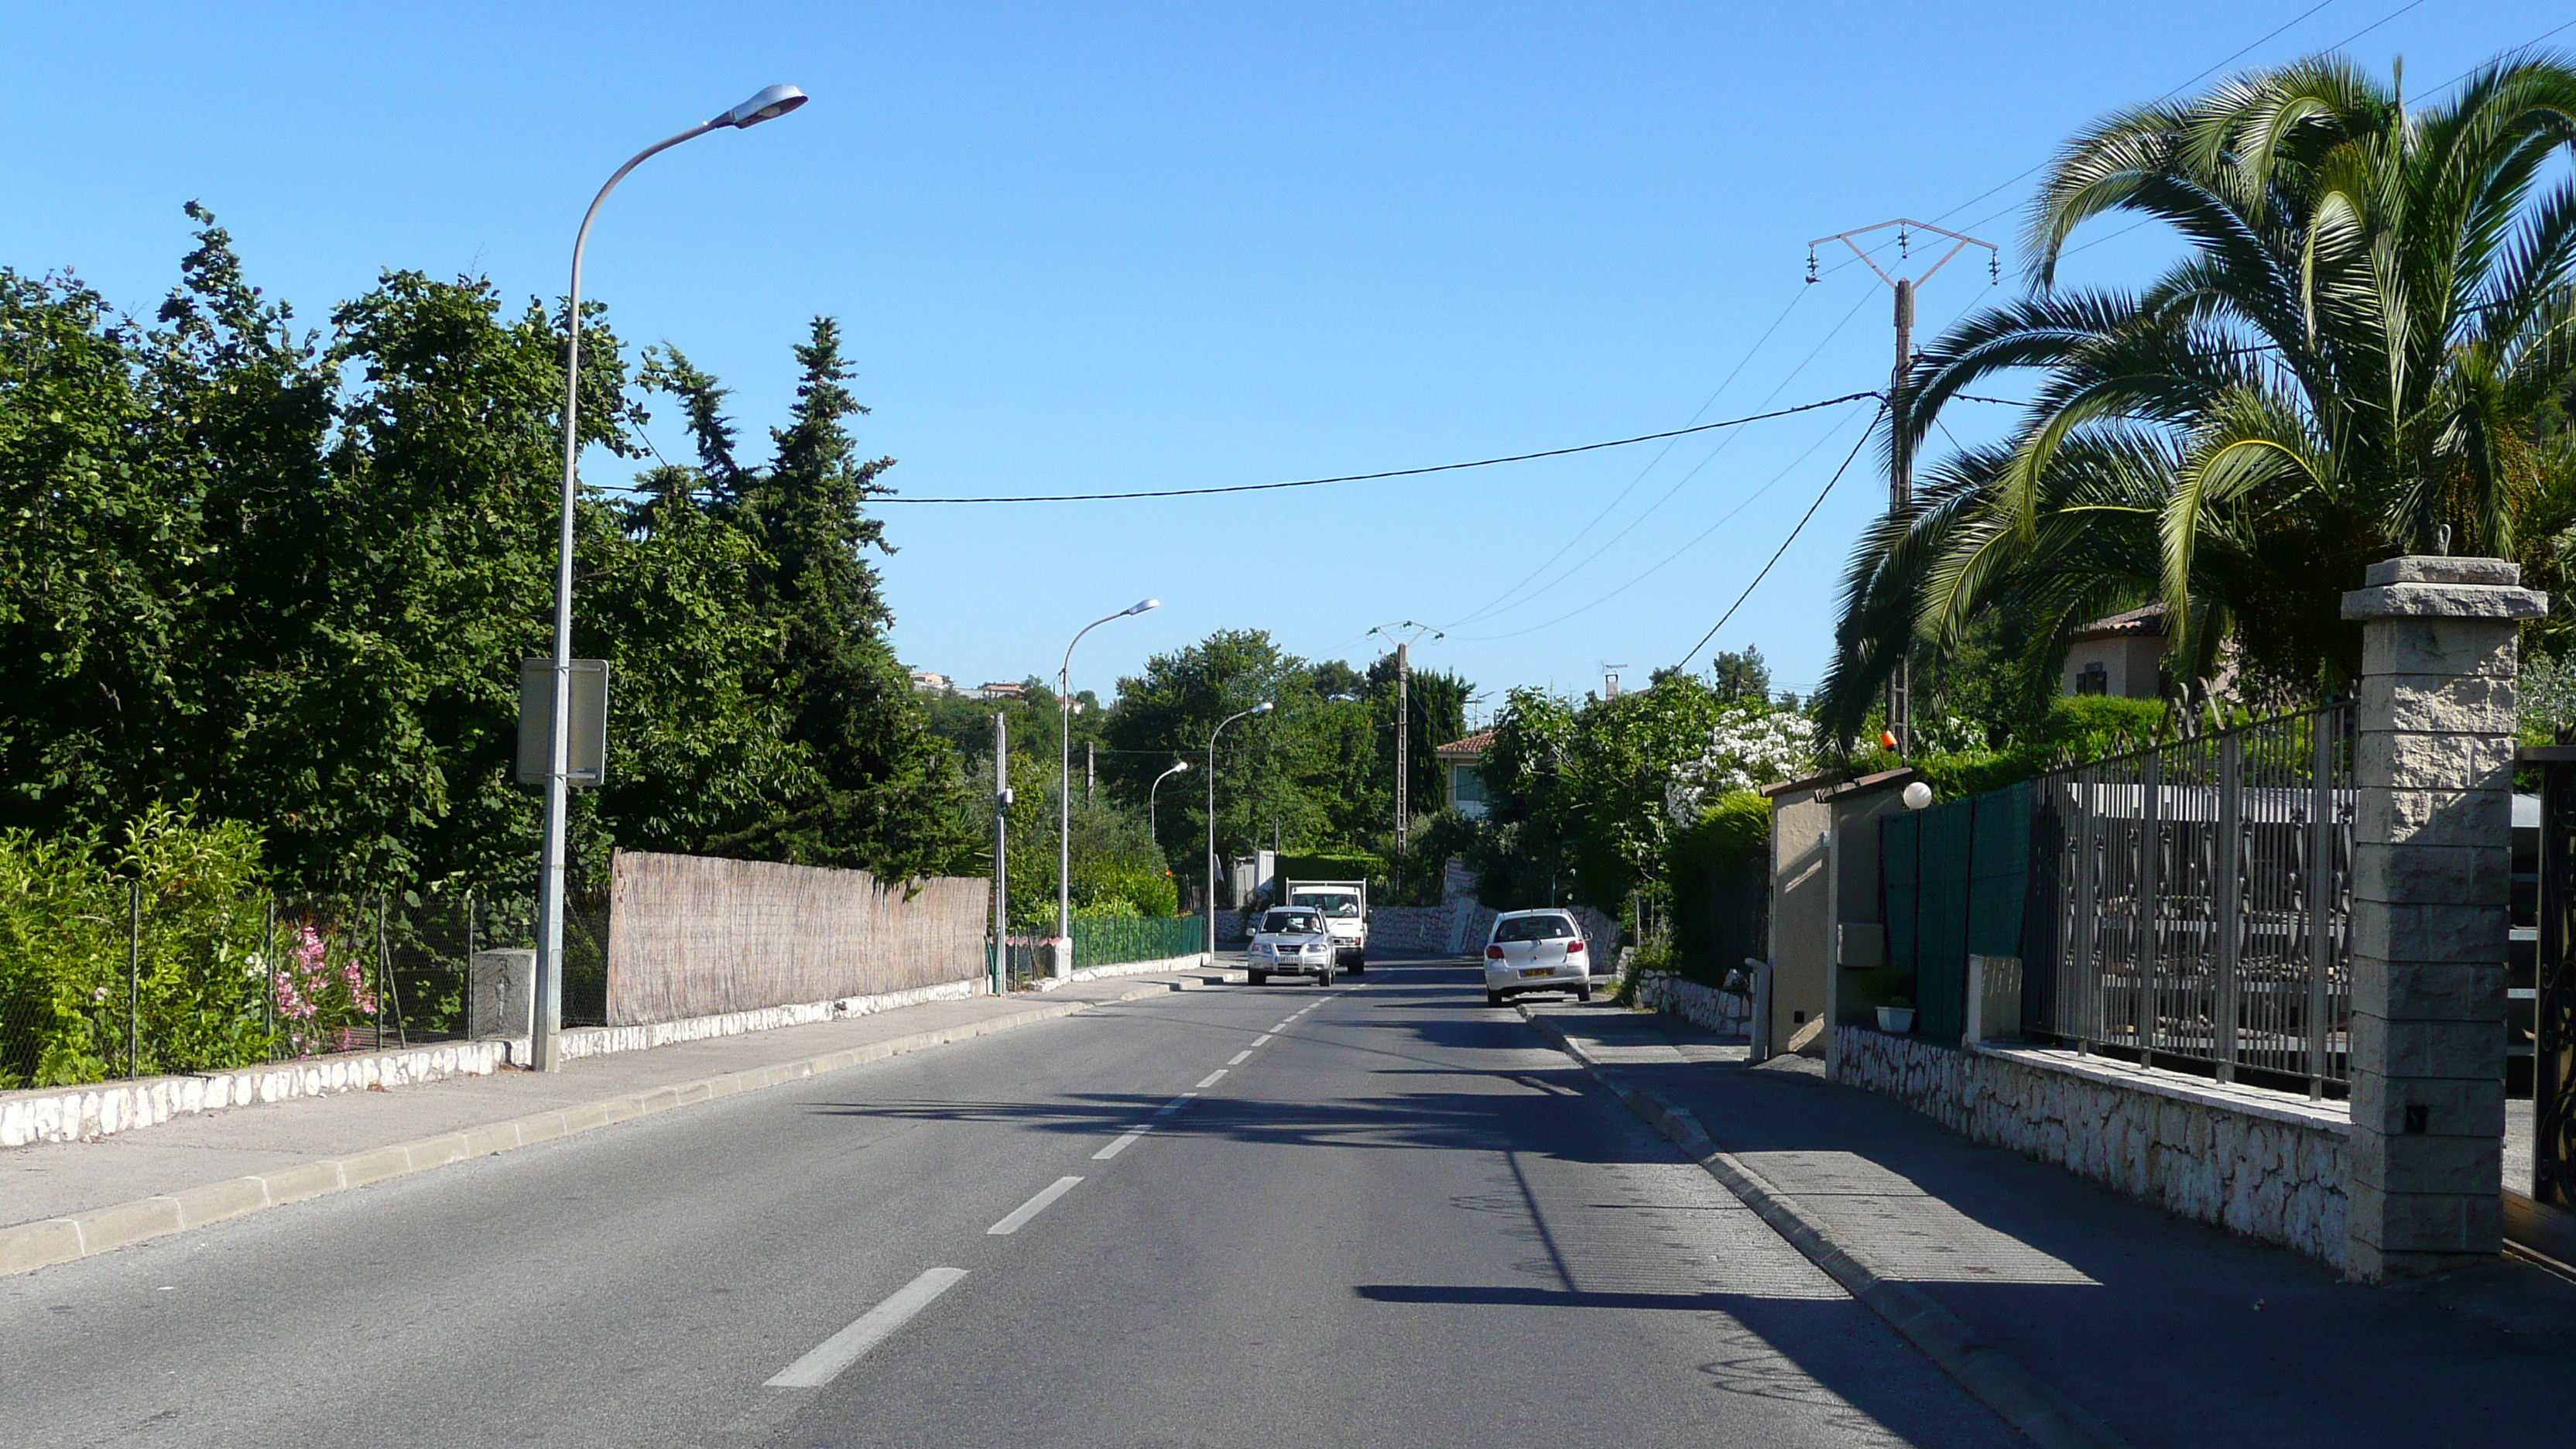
(104, 978)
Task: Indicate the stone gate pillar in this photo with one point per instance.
(2432, 866)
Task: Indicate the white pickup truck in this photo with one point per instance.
(1344, 904)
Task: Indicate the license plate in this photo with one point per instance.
(1540, 971)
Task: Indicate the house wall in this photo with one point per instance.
(2130, 664)
(1801, 912)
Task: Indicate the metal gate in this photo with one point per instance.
(2553, 1080)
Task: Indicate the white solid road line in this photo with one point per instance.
(1125, 1140)
(873, 1327)
(1210, 1080)
(1020, 1215)
(1239, 1058)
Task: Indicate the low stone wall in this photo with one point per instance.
(103, 1109)
(2266, 1164)
(1411, 930)
(1190, 962)
(1722, 1011)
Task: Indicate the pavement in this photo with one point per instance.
(80, 1180)
(1380, 1214)
(2158, 1331)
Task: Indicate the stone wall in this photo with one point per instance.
(2266, 1164)
(1722, 1011)
(66, 1114)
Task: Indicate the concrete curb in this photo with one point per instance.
(26, 1247)
(2023, 1399)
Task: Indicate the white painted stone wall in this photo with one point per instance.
(1190, 962)
(103, 1109)
(2266, 1164)
(1701, 1005)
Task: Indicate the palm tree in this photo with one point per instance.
(2357, 353)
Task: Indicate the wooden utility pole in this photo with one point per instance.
(1900, 447)
(1404, 722)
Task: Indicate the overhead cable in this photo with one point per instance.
(1393, 472)
(1784, 543)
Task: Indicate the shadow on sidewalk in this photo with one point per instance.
(2173, 1331)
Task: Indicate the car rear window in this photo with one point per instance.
(1534, 928)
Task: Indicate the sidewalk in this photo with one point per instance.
(2165, 1331)
(121, 1189)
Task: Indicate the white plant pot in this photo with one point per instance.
(1896, 1019)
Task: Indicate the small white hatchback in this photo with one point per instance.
(1536, 951)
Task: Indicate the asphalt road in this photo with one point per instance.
(1387, 1215)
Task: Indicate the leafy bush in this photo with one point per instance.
(196, 1000)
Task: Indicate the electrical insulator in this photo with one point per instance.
(1811, 264)
(1994, 269)
(1900, 242)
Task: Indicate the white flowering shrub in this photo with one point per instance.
(1748, 747)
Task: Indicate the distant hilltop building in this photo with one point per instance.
(1460, 759)
(993, 689)
(929, 683)
(2121, 656)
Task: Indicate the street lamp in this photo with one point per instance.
(1210, 904)
(1177, 767)
(771, 102)
(1064, 772)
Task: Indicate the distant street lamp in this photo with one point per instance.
(1210, 905)
(1064, 772)
(1177, 767)
(771, 102)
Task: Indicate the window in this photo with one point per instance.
(1291, 923)
(1466, 787)
(2094, 680)
(1340, 908)
(1534, 928)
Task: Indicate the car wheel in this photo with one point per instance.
(1325, 977)
(1583, 993)
(1493, 998)
(1359, 963)
(1257, 978)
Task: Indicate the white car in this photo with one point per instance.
(1536, 951)
(1292, 941)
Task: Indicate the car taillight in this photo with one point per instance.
(1573, 946)
(1493, 953)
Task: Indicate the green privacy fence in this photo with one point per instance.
(1957, 878)
(1116, 940)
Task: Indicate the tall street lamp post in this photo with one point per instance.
(1177, 767)
(1261, 708)
(1064, 774)
(771, 102)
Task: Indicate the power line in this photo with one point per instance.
(1395, 472)
(1608, 508)
(1498, 607)
(1784, 543)
(1667, 560)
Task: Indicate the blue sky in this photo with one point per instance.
(1088, 249)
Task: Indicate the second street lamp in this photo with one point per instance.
(1177, 767)
(1210, 904)
(1064, 777)
(771, 102)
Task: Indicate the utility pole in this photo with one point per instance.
(1404, 723)
(1088, 762)
(1900, 447)
(1001, 845)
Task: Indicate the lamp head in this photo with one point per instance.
(1143, 605)
(1262, 708)
(771, 103)
(1180, 764)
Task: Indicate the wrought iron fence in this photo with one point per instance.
(2196, 899)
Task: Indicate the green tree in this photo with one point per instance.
(2350, 360)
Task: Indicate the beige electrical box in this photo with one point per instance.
(586, 751)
